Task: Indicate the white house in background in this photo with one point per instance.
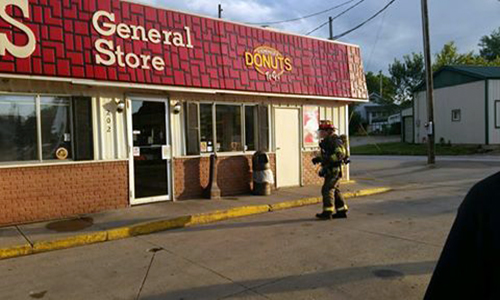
(375, 114)
(466, 106)
(394, 119)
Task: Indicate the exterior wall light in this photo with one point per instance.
(177, 108)
(120, 106)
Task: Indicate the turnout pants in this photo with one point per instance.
(333, 201)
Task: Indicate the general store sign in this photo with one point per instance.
(5, 43)
(121, 41)
(109, 55)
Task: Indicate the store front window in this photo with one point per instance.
(206, 128)
(238, 128)
(56, 132)
(18, 128)
(192, 129)
(250, 128)
(45, 128)
(228, 128)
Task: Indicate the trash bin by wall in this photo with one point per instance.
(263, 176)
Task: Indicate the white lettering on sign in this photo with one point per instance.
(109, 54)
(5, 44)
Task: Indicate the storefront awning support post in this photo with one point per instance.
(213, 190)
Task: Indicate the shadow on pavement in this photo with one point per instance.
(240, 224)
(308, 281)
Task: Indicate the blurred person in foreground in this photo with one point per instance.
(469, 266)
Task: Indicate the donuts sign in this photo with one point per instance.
(268, 62)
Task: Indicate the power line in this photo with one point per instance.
(303, 17)
(337, 16)
(376, 40)
(365, 22)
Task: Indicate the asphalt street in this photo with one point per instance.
(386, 249)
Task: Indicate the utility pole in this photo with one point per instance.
(431, 158)
(381, 84)
(220, 11)
(330, 20)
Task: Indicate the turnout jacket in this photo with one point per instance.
(469, 266)
(332, 152)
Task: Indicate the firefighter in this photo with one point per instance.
(333, 154)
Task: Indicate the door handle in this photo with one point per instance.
(278, 148)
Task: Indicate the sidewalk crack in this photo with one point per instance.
(203, 267)
(154, 250)
(24, 236)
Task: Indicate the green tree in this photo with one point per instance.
(489, 46)
(449, 56)
(373, 84)
(406, 75)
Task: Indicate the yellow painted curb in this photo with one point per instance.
(155, 226)
(228, 214)
(311, 201)
(186, 221)
(162, 225)
(369, 192)
(70, 242)
(119, 233)
(15, 251)
(295, 203)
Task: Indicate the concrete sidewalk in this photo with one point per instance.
(117, 224)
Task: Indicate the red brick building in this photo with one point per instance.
(106, 104)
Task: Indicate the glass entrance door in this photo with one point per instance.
(150, 147)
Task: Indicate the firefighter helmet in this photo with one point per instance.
(326, 125)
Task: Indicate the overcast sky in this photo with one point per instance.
(399, 29)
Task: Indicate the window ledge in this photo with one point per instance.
(34, 164)
(220, 154)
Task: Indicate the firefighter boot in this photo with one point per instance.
(340, 215)
(325, 215)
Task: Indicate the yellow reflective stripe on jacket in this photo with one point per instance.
(339, 154)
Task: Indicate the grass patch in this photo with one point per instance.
(414, 149)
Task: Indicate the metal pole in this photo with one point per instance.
(220, 11)
(381, 84)
(330, 20)
(431, 159)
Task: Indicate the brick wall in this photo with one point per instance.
(191, 175)
(310, 171)
(48, 192)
